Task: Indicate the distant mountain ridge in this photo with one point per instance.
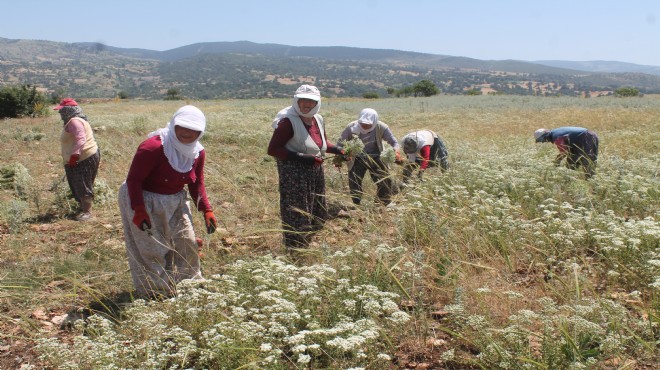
(327, 52)
(390, 55)
(601, 66)
(245, 69)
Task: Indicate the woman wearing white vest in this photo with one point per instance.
(372, 132)
(80, 154)
(424, 149)
(299, 144)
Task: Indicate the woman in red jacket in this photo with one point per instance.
(158, 227)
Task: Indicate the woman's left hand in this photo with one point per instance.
(398, 159)
(211, 223)
(73, 160)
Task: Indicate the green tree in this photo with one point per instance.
(172, 94)
(406, 91)
(22, 101)
(370, 95)
(425, 88)
(626, 91)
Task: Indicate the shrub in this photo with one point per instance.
(173, 94)
(22, 101)
(425, 88)
(626, 91)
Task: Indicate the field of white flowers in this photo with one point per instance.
(503, 262)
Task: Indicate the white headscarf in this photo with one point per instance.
(307, 92)
(283, 113)
(539, 134)
(182, 156)
(367, 116)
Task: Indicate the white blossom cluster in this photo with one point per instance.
(263, 311)
(498, 207)
(560, 336)
(602, 233)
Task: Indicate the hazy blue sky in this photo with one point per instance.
(577, 30)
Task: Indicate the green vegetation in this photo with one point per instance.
(22, 101)
(173, 94)
(425, 88)
(503, 262)
(626, 91)
(261, 71)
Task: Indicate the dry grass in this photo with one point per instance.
(54, 264)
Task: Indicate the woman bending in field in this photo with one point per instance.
(158, 227)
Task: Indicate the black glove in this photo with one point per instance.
(311, 159)
(337, 149)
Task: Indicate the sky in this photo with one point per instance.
(528, 30)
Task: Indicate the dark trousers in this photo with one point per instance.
(439, 156)
(379, 175)
(583, 153)
(81, 177)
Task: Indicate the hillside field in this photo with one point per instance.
(504, 262)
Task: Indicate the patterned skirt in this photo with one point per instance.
(81, 177)
(302, 201)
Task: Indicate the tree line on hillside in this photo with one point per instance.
(26, 101)
(233, 76)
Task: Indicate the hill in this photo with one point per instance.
(250, 70)
(602, 66)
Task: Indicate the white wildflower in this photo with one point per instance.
(399, 317)
(448, 355)
(304, 359)
(513, 295)
(384, 357)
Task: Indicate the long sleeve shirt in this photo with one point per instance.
(371, 146)
(151, 171)
(77, 138)
(425, 139)
(425, 153)
(563, 137)
(76, 128)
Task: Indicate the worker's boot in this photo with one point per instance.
(86, 208)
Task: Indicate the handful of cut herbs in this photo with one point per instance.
(352, 148)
